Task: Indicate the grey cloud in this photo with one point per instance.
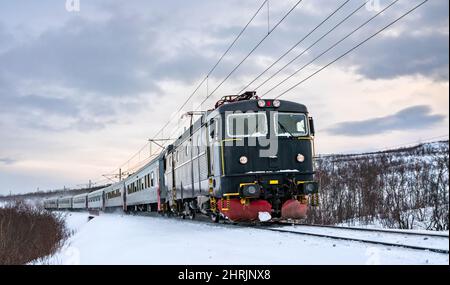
(413, 118)
(103, 57)
(40, 103)
(7, 160)
(422, 48)
(6, 38)
(425, 55)
(130, 52)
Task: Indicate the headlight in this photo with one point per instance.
(300, 158)
(243, 160)
(252, 190)
(276, 103)
(261, 103)
(310, 188)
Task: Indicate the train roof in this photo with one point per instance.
(97, 192)
(51, 198)
(65, 197)
(80, 195)
(113, 186)
(142, 168)
(252, 105)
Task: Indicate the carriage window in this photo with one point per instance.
(247, 125)
(290, 124)
(152, 179)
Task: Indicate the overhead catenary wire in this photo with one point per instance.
(313, 44)
(247, 56)
(251, 52)
(205, 79)
(331, 47)
(353, 48)
(209, 95)
(294, 46)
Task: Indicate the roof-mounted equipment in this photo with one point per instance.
(249, 95)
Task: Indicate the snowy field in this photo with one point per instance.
(121, 239)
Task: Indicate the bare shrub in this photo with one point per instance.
(29, 233)
(398, 188)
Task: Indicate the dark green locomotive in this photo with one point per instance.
(247, 159)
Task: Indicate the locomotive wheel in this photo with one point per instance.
(188, 212)
(191, 215)
(215, 218)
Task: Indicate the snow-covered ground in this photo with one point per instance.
(419, 225)
(121, 239)
(434, 240)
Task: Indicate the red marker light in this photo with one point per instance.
(269, 103)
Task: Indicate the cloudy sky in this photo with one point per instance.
(82, 91)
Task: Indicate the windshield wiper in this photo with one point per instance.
(286, 130)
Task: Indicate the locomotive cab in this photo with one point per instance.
(262, 157)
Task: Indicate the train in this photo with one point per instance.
(247, 159)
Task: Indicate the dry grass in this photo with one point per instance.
(28, 233)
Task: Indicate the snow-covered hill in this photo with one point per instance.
(404, 188)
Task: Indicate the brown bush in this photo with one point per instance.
(28, 233)
(398, 188)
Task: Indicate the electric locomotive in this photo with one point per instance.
(248, 159)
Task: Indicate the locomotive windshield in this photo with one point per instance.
(290, 124)
(247, 125)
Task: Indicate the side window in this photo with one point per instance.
(199, 141)
(212, 130)
(152, 179)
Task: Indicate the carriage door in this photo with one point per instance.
(214, 148)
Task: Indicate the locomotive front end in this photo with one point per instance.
(266, 154)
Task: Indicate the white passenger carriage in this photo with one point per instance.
(51, 203)
(114, 196)
(80, 202)
(65, 203)
(142, 188)
(96, 200)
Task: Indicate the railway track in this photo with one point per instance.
(372, 240)
(367, 230)
(295, 228)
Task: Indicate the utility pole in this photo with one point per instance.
(155, 141)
